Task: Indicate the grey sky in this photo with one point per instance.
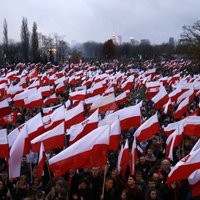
(96, 20)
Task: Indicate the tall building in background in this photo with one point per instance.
(119, 39)
(171, 41)
(114, 39)
(132, 41)
(145, 42)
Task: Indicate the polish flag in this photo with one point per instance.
(34, 100)
(77, 95)
(185, 167)
(127, 85)
(83, 153)
(189, 93)
(161, 98)
(4, 147)
(104, 104)
(51, 139)
(45, 91)
(74, 115)
(9, 119)
(54, 119)
(171, 128)
(182, 108)
(98, 88)
(148, 129)
(174, 95)
(123, 159)
(49, 110)
(174, 140)
(134, 157)
(80, 130)
(167, 107)
(19, 98)
(129, 117)
(35, 84)
(4, 108)
(51, 99)
(60, 88)
(35, 126)
(115, 135)
(122, 98)
(194, 181)
(192, 126)
(16, 154)
(41, 160)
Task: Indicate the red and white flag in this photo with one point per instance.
(161, 98)
(54, 119)
(77, 95)
(80, 130)
(174, 95)
(104, 104)
(51, 99)
(122, 98)
(185, 167)
(194, 181)
(182, 109)
(41, 160)
(189, 93)
(74, 115)
(115, 135)
(123, 159)
(129, 117)
(134, 157)
(83, 153)
(9, 119)
(45, 91)
(60, 88)
(4, 147)
(4, 108)
(16, 154)
(34, 100)
(148, 129)
(127, 85)
(51, 139)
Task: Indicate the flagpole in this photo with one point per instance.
(49, 172)
(104, 180)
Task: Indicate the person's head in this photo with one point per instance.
(23, 179)
(114, 173)
(4, 175)
(149, 152)
(151, 183)
(155, 176)
(138, 176)
(95, 171)
(165, 165)
(131, 181)
(24, 160)
(124, 194)
(84, 183)
(142, 160)
(59, 184)
(62, 194)
(39, 195)
(2, 185)
(36, 181)
(152, 194)
(109, 183)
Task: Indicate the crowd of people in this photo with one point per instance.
(149, 182)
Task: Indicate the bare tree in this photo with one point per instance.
(190, 38)
(5, 38)
(34, 43)
(25, 35)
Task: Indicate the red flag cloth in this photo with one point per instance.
(9, 119)
(84, 153)
(4, 108)
(182, 109)
(80, 130)
(4, 147)
(123, 159)
(51, 139)
(41, 160)
(148, 129)
(161, 98)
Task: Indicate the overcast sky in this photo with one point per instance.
(96, 20)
